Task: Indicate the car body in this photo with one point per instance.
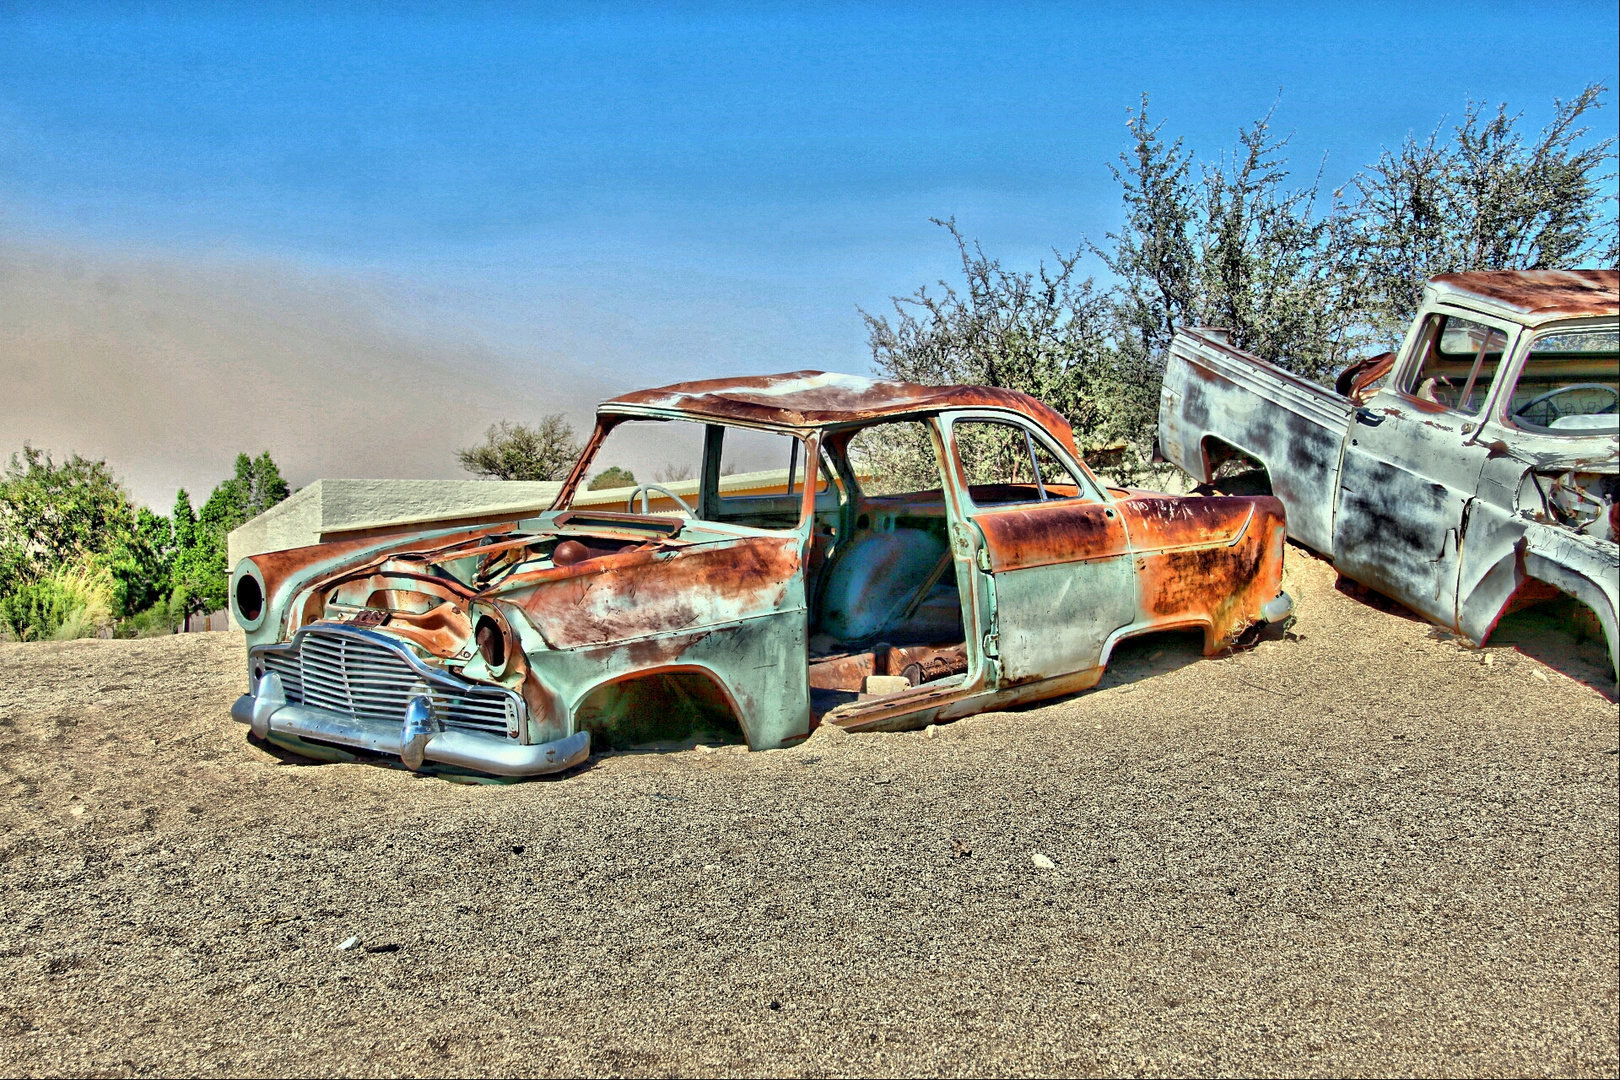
(1003, 571)
(1467, 475)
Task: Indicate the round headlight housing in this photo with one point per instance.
(490, 637)
(247, 595)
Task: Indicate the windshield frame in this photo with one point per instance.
(709, 481)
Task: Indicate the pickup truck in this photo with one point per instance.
(929, 552)
(1467, 475)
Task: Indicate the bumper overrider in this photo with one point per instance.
(1278, 608)
(354, 687)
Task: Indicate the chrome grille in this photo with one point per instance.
(285, 664)
(367, 680)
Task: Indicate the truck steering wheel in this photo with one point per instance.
(1549, 395)
(630, 504)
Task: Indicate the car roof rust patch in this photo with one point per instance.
(1544, 294)
(814, 399)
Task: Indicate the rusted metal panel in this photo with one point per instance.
(1055, 618)
(583, 618)
(1536, 296)
(817, 399)
(645, 594)
(917, 663)
(1031, 535)
(1404, 486)
(1218, 583)
(1293, 428)
(1356, 382)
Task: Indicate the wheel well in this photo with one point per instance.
(1167, 634)
(1536, 607)
(668, 705)
(1232, 471)
(1220, 454)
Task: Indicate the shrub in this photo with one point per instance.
(76, 601)
(519, 452)
(163, 617)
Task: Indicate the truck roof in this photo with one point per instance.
(1535, 296)
(814, 399)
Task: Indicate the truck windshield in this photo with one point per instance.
(1570, 383)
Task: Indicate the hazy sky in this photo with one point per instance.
(663, 191)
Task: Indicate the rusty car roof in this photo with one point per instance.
(812, 399)
(1537, 296)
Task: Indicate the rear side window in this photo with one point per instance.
(762, 461)
(1460, 358)
(894, 458)
(1005, 464)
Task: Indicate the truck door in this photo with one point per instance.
(1410, 469)
(1054, 549)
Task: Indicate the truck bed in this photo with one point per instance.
(1217, 397)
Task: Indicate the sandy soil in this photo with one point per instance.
(1367, 850)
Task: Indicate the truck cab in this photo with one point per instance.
(1469, 473)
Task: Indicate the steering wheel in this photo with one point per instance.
(630, 503)
(1549, 395)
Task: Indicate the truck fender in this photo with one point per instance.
(1576, 565)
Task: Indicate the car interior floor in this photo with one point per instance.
(886, 606)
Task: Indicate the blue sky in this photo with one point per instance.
(661, 191)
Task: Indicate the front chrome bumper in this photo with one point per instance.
(268, 711)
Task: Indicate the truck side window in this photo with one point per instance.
(1005, 463)
(1460, 358)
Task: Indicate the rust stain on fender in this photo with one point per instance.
(1216, 557)
(641, 596)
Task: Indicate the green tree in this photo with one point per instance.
(1271, 270)
(1234, 246)
(1153, 258)
(1482, 199)
(140, 563)
(256, 487)
(611, 477)
(75, 553)
(54, 514)
(199, 575)
(519, 452)
(1155, 263)
(1041, 332)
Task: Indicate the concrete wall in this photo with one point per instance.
(333, 509)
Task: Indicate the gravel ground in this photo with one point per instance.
(1368, 850)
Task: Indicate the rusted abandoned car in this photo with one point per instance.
(927, 553)
(1468, 475)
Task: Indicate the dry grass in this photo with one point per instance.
(1364, 851)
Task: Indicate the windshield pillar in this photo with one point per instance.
(714, 437)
